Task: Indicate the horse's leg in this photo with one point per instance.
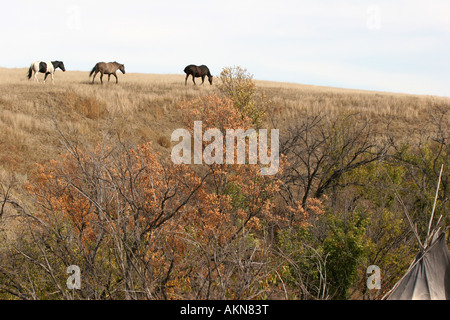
(203, 79)
(95, 73)
(193, 78)
(46, 74)
(35, 77)
(109, 76)
(185, 80)
(101, 77)
(117, 80)
(52, 77)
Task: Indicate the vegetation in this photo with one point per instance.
(86, 179)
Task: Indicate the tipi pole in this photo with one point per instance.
(434, 205)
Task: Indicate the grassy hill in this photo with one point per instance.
(144, 107)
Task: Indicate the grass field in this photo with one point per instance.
(144, 107)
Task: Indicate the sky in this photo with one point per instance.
(394, 46)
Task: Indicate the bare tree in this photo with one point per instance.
(321, 150)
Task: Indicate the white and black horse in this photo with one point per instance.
(44, 67)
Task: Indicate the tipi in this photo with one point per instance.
(428, 277)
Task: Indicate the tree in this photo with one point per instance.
(237, 85)
(321, 149)
(233, 215)
(103, 209)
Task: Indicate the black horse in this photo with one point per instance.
(197, 72)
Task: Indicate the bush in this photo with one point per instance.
(237, 84)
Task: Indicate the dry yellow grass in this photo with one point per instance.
(144, 107)
(401, 111)
(141, 107)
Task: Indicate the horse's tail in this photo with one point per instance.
(30, 72)
(93, 70)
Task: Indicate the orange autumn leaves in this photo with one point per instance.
(251, 196)
(103, 193)
(162, 213)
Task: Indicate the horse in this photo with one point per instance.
(108, 68)
(45, 67)
(197, 72)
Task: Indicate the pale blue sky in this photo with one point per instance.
(398, 46)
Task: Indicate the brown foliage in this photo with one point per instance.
(159, 231)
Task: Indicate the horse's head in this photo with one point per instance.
(122, 68)
(210, 79)
(59, 64)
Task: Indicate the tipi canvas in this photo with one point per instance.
(428, 277)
